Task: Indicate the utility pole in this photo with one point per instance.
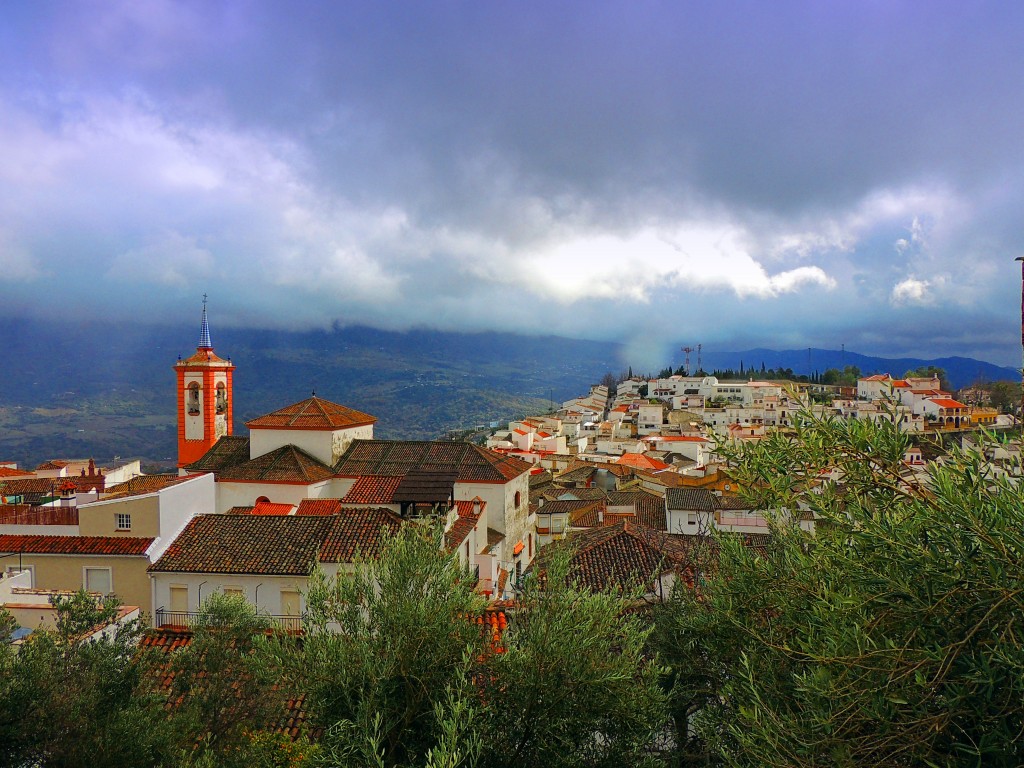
(700, 365)
(686, 365)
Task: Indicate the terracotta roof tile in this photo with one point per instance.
(361, 531)
(696, 499)
(292, 720)
(623, 553)
(318, 507)
(278, 545)
(399, 457)
(372, 489)
(313, 413)
(228, 451)
(461, 528)
(287, 464)
(639, 461)
(285, 545)
(144, 484)
(75, 545)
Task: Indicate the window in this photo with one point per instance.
(222, 398)
(290, 603)
(691, 518)
(193, 399)
(124, 521)
(97, 580)
(234, 591)
(179, 598)
(518, 499)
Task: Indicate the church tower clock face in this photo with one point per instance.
(205, 403)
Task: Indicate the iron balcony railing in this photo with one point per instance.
(165, 618)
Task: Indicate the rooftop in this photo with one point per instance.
(312, 413)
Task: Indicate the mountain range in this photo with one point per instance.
(100, 390)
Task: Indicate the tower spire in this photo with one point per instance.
(204, 333)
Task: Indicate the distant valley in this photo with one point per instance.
(105, 390)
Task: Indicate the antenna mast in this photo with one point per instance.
(686, 366)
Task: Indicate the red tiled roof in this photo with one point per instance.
(271, 508)
(313, 413)
(318, 507)
(8, 472)
(470, 463)
(293, 719)
(622, 553)
(372, 489)
(468, 508)
(75, 545)
(283, 545)
(228, 451)
(144, 484)
(943, 402)
(358, 531)
(204, 355)
(639, 461)
(287, 464)
(460, 529)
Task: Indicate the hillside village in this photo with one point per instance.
(631, 471)
(634, 481)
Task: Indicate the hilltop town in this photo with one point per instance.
(311, 481)
(637, 491)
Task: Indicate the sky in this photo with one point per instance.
(735, 174)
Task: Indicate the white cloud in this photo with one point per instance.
(913, 291)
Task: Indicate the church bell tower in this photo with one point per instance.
(205, 402)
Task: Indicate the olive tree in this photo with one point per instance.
(890, 636)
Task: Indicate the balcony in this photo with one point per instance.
(188, 619)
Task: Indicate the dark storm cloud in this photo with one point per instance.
(643, 171)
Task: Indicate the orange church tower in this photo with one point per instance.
(205, 401)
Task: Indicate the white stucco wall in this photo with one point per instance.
(237, 494)
(326, 445)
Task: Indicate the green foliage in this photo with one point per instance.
(573, 687)
(1005, 395)
(71, 699)
(846, 377)
(224, 689)
(388, 647)
(928, 372)
(891, 637)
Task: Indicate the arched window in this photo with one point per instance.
(262, 500)
(518, 499)
(193, 399)
(222, 398)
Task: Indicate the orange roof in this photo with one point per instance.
(467, 508)
(270, 508)
(312, 413)
(319, 507)
(944, 402)
(373, 489)
(6, 472)
(640, 461)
